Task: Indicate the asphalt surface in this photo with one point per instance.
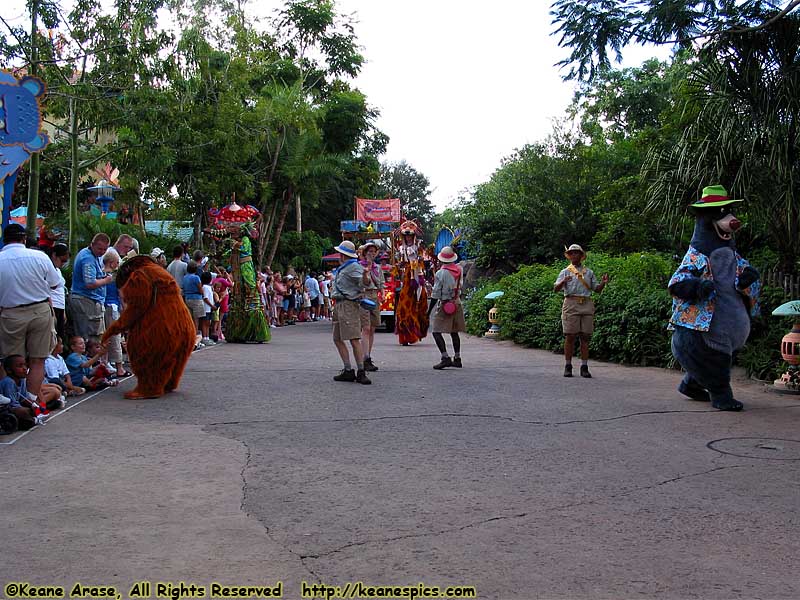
(502, 475)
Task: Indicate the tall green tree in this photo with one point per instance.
(90, 57)
(594, 29)
(740, 124)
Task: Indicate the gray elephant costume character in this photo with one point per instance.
(715, 293)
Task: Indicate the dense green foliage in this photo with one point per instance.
(632, 313)
(220, 105)
(302, 252)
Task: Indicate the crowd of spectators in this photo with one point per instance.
(50, 332)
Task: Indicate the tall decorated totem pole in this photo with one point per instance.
(20, 131)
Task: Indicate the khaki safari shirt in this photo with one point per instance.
(348, 284)
(574, 287)
(444, 286)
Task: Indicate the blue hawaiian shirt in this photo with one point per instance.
(697, 314)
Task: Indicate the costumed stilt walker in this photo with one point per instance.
(247, 321)
(411, 310)
(715, 292)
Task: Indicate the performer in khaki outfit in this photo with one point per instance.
(370, 317)
(448, 312)
(347, 291)
(577, 312)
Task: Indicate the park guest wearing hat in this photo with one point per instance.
(158, 255)
(347, 291)
(577, 312)
(449, 312)
(370, 315)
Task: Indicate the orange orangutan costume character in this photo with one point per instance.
(161, 332)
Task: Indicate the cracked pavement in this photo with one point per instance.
(503, 475)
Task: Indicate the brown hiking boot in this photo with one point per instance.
(369, 365)
(345, 375)
(446, 362)
(362, 378)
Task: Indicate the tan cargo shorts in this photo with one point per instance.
(577, 315)
(28, 331)
(346, 320)
(371, 317)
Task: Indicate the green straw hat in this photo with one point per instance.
(714, 195)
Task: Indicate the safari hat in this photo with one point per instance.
(714, 195)
(574, 248)
(347, 248)
(156, 252)
(447, 255)
(368, 244)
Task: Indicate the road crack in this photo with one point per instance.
(267, 530)
(522, 515)
(456, 415)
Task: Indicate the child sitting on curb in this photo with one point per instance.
(82, 369)
(25, 406)
(57, 373)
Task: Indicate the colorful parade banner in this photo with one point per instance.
(386, 211)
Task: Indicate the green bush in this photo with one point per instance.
(476, 308)
(761, 356)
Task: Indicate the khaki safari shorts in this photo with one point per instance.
(372, 317)
(441, 322)
(28, 331)
(577, 315)
(346, 320)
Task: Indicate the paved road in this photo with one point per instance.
(504, 476)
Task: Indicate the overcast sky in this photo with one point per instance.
(459, 83)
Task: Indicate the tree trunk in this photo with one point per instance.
(73, 176)
(298, 215)
(33, 174)
(264, 234)
(279, 228)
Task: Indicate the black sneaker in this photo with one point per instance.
(457, 362)
(445, 362)
(345, 375)
(369, 365)
(732, 405)
(362, 378)
(567, 370)
(694, 391)
(585, 371)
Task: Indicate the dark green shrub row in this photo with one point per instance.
(632, 313)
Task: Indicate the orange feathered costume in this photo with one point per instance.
(160, 329)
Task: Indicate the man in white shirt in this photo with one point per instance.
(27, 325)
(177, 268)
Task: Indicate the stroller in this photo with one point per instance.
(8, 421)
